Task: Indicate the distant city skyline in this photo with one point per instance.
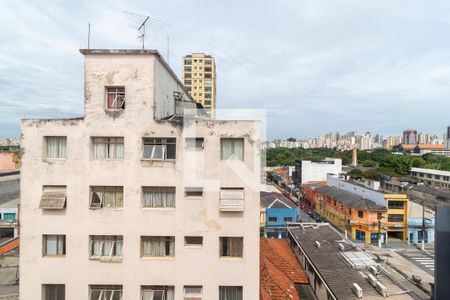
(338, 72)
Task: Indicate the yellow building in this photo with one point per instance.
(397, 215)
(199, 78)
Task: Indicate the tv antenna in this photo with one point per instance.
(145, 24)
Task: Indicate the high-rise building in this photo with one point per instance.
(133, 201)
(447, 138)
(410, 136)
(199, 78)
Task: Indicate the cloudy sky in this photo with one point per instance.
(315, 66)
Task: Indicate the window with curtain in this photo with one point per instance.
(106, 197)
(231, 246)
(115, 97)
(232, 148)
(230, 293)
(153, 292)
(56, 146)
(105, 292)
(157, 246)
(192, 292)
(107, 147)
(53, 292)
(105, 246)
(162, 196)
(159, 148)
(54, 245)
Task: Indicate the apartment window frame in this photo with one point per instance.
(193, 241)
(108, 292)
(192, 294)
(164, 202)
(60, 145)
(159, 148)
(194, 143)
(226, 249)
(59, 292)
(168, 245)
(115, 97)
(112, 254)
(160, 291)
(360, 214)
(193, 192)
(106, 192)
(236, 292)
(396, 218)
(60, 246)
(287, 219)
(234, 152)
(394, 204)
(111, 145)
(272, 219)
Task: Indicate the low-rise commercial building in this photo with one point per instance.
(431, 177)
(279, 210)
(337, 269)
(306, 171)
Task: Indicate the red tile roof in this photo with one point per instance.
(279, 271)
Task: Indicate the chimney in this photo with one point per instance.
(355, 157)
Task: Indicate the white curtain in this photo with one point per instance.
(156, 246)
(56, 146)
(99, 149)
(235, 246)
(159, 197)
(61, 242)
(119, 248)
(52, 242)
(232, 149)
(97, 247)
(147, 295)
(230, 293)
(170, 199)
(108, 248)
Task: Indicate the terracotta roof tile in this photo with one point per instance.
(280, 271)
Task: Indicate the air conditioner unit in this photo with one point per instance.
(372, 280)
(381, 289)
(317, 244)
(373, 270)
(341, 247)
(357, 290)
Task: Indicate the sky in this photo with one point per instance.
(315, 66)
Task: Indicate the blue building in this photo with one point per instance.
(279, 209)
(415, 230)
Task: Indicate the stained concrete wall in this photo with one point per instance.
(190, 217)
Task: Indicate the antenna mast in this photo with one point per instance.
(144, 24)
(89, 35)
(142, 28)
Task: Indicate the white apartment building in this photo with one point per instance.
(307, 171)
(133, 201)
(434, 178)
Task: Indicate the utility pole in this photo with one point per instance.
(379, 217)
(423, 226)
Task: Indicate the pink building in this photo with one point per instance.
(8, 161)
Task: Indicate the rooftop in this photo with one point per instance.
(431, 171)
(350, 199)
(276, 200)
(279, 271)
(339, 272)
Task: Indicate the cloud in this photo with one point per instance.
(316, 66)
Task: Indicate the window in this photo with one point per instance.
(192, 292)
(396, 204)
(207, 95)
(232, 148)
(157, 246)
(159, 148)
(188, 62)
(360, 214)
(208, 62)
(208, 89)
(231, 199)
(195, 143)
(196, 241)
(187, 68)
(115, 97)
(208, 75)
(154, 292)
(273, 219)
(208, 83)
(53, 292)
(188, 82)
(231, 246)
(106, 248)
(208, 69)
(53, 245)
(187, 75)
(107, 147)
(56, 146)
(159, 196)
(9, 216)
(288, 219)
(193, 191)
(105, 292)
(395, 218)
(106, 196)
(53, 197)
(230, 293)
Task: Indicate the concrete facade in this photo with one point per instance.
(434, 178)
(149, 88)
(306, 171)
